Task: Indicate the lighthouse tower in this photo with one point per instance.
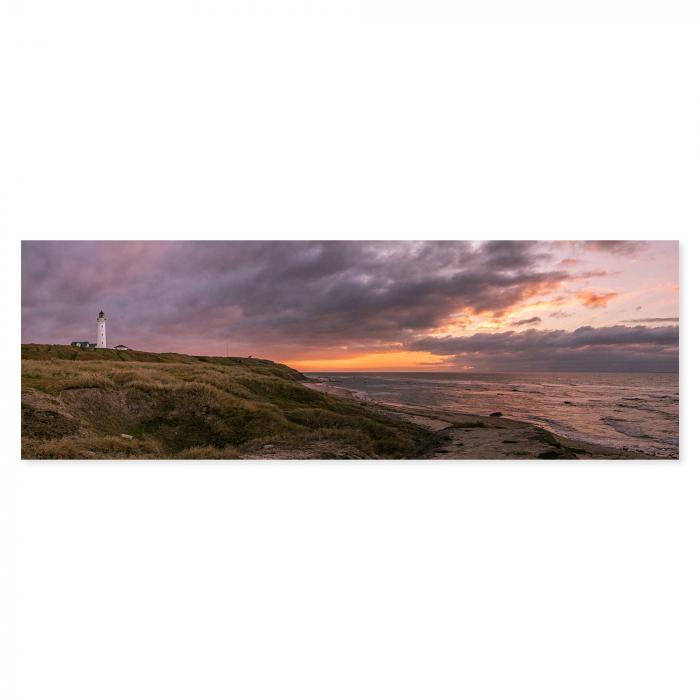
(101, 330)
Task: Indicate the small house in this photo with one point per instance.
(121, 347)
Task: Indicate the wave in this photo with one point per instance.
(626, 428)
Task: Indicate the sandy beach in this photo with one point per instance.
(469, 436)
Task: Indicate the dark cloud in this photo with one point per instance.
(510, 254)
(613, 348)
(617, 247)
(669, 319)
(163, 295)
(561, 314)
(527, 321)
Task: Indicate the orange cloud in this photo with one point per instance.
(596, 299)
(472, 321)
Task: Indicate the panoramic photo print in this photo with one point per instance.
(350, 350)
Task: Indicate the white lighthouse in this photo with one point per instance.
(101, 330)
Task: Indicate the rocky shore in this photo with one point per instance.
(467, 436)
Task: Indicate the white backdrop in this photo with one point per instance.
(331, 120)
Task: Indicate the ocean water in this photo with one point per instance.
(636, 410)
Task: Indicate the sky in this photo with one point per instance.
(492, 306)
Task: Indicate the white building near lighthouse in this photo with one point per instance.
(101, 330)
(101, 336)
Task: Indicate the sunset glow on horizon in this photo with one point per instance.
(390, 361)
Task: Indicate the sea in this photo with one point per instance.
(638, 411)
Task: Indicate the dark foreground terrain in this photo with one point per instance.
(109, 404)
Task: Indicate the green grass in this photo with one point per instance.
(78, 402)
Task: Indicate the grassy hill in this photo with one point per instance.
(111, 404)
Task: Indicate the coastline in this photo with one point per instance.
(471, 436)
